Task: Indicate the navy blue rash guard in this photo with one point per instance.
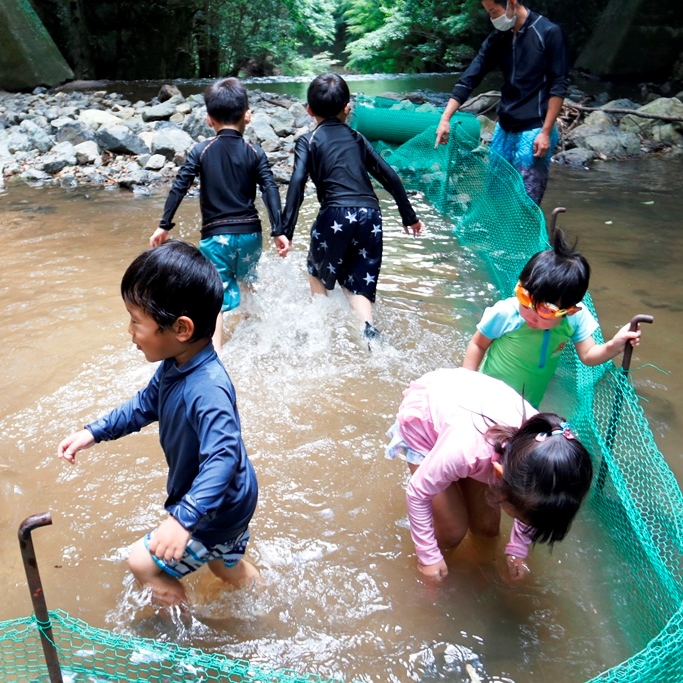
(338, 160)
(212, 488)
(535, 67)
(229, 169)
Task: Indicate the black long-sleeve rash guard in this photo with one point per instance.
(338, 160)
(535, 67)
(229, 170)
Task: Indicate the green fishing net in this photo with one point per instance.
(635, 495)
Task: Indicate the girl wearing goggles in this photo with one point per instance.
(520, 339)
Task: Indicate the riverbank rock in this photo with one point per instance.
(99, 137)
(657, 130)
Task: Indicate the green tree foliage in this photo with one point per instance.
(412, 35)
(234, 36)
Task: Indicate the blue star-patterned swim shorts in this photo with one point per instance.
(197, 554)
(346, 247)
(235, 257)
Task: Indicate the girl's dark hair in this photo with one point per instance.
(327, 95)
(226, 100)
(175, 279)
(545, 481)
(557, 276)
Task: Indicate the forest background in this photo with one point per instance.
(162, 39)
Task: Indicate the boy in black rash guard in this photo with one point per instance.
(229, 169)
(346, 237)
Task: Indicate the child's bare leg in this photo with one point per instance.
(241, 574)
(217, 338)
(360, 305)
(317, 286)
(484, 518)
(166, 590)
(451, 521)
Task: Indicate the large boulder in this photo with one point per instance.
(94, 118)
(196, 126)
(121, 140)
(170, 141)
(28, 56)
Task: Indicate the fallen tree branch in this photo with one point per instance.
(619, 110)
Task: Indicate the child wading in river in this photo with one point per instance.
(229, 169)
(474, 448)
(521, 339)
(346, 237)
(173, 295)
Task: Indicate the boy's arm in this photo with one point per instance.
(295, 191)
(591, 353)
(183, 180)
(269, 192)
(476, 350)
(388, 178)
(129, 417)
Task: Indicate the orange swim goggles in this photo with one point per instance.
(543, 310)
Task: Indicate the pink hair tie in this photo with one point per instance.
(565, 429)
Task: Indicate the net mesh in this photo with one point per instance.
(91, 655)
(635, 496)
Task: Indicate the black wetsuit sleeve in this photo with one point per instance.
(183, 180)
(388, 178)
(558, 63)
(269, 193)
(484, 61)
(295, 191)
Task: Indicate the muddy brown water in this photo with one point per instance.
(341, 594)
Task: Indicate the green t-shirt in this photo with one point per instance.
(525, 358)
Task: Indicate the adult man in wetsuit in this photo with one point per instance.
(531, 52)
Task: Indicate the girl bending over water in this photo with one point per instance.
(474, 447)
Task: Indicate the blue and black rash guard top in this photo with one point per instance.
(212, 488)
(535, 67)
(229, 169)
(338, 159)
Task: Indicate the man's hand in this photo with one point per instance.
(169, 540)
(73, 443)
(158, 237)
(541, 145)
(442, 132)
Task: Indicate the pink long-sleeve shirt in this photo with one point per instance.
(443, 415)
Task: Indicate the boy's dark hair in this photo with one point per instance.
(504, 3)
(175, 279)
(544, 480)
(557, 276)
(327, 95)
(226, 100)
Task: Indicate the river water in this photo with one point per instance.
(341, 594)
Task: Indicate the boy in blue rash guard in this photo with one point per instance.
(346, 237)
(173, 295)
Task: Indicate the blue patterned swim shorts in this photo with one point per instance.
(197, 554)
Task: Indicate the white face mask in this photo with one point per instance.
(503, 22)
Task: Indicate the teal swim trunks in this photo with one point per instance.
(235, 257)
